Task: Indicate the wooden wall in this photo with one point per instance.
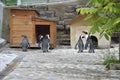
(21, 23)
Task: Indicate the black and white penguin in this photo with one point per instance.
(89, 42)
(80, 44)
(45, 43)
(40, 38)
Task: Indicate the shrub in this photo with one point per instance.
(110, 58)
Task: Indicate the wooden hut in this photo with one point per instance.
(27, 22)
(77, 25)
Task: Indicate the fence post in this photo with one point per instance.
(119, 47)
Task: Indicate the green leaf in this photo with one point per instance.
(106, 36)
(103, 16)
(78, 10)
(93, 30)
(86, 10)
(97, 4)
(88, 17)
(117, 21)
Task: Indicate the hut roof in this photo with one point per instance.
(46, 19)
(77, 17)
(74, 19)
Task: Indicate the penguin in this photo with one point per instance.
(91, 46)
(80, 44)
(40, 38)
(25, 43)
(45, 43)
(87, 37)
(89, 42)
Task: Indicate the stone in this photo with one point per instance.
(114, 66)
(53, 18)
(50, 18)
(70, 9)
(67, 21)
(42, 7)
(2, 42)
(50, 13)
(42, 13)
(61, 22)
(69, 15)
(59, 9)
(60, 27)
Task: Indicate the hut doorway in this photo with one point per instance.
(42, 30)
(95, 41)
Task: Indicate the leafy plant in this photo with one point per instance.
(110, 58)
(103, 15)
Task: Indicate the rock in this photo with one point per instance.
(114, 66)
(2, 42)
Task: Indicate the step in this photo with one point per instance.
(63, 36)
(64, 42)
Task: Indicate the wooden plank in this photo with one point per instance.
(42, 23)
(21, 17)
(17, 36)
(34, 32)
(26, 32)
(20, 36)
(11, 20)
(22, 32)
(22, 27)
(23, 12)
(18, 45)
(19, 40)
(21, 21)
(15, 45)
(53, 33)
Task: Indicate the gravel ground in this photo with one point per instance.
(59, 64)
(5, 60)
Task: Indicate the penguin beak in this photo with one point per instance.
(84, 32)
